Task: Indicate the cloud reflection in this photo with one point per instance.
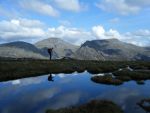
(125, 97)
(28, 81)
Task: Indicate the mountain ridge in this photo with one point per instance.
(106, 49)
(61, 47)
(113, 49)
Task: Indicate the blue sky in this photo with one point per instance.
(75, 20)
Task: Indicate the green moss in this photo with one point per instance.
(106, 80)
(123, 78)
(134, 75)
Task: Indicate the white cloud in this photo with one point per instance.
(141, 3)
(74, 35)
(34, 30)
(39, 7)
(21, 29)
(139, 37)
(114, 20)
(100, 33)
(31, 23)
(122, 7)
(71, 5)
(142, 32)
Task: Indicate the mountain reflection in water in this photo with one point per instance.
(37, 94)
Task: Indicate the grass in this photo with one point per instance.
(95, 106)
(134, 75)
(139, 73)
(119, 77)
(106, 80)
(14, 69)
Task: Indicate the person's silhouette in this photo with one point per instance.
(50, 78)
(49, 50)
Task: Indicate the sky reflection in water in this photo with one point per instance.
(37, 94)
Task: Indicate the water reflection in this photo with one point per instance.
(94, 106)
(145, 104)
(50, 77)
(37, 94)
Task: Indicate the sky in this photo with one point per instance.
(75, 21)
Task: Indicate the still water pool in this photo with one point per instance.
(37, 94)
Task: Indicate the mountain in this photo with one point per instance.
(87, 53)
(21, 49)
(111, 49)
(147, 48)
(61, 48)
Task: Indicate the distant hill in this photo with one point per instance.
(111, 49)
(21, 49)
(61, 48)
(147, 48)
